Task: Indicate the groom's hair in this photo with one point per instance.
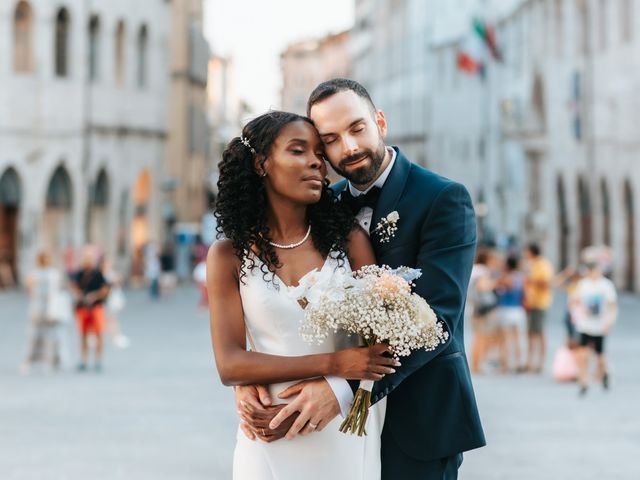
(331, 87)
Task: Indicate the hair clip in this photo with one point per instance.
(246, 143)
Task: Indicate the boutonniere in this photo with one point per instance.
(386, 228)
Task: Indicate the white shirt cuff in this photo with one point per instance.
(342, 391)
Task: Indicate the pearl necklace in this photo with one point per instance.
(292, 245)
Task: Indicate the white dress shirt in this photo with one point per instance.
(341, 388)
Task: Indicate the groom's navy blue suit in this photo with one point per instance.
(431, 409)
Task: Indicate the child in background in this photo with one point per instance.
(595, 310)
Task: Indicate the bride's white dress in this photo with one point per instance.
(273, 319)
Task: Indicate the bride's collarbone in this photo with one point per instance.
(294, 265)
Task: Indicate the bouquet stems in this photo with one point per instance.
(356, 420)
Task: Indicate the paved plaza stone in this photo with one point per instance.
(158, 410)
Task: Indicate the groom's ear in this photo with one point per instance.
(381, 122)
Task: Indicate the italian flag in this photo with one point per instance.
(471, 56)
(488, 35)
(468, 64)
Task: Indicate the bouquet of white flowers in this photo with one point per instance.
(375, 303)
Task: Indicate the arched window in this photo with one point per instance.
(606, 212)
(626, 18)
(537, 101)
(120, 53)
(10, 189)
(142, 56)
(94, 48)
(583, 26)
(59, 194)
(22, 33)
(559, 27)
(100, 196)
(603, 17)
(62, 43)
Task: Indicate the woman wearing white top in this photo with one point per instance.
(49, 309)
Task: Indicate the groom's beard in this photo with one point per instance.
(367, 173)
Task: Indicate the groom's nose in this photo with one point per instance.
(349, 146)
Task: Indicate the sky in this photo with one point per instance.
(255, 32)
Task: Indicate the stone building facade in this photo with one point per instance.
(83, 127)
(305, 64)
(544, 138)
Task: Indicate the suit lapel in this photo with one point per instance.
(390, 194)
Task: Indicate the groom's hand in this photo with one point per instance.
(316, 403)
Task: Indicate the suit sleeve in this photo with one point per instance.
(445, 256)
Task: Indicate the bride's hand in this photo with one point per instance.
(363, 363)
(256, 396)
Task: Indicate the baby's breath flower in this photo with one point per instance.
(386, 228)
(376, 303)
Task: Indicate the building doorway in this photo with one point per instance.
(99, 212)
(57, 221)
(563, 224)
(10, 193)
(586, 220)
(140, 223)
(630, 246)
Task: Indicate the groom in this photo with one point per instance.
(431, 415)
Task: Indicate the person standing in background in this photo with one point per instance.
(511, 313)
(152, 270)
(200, 277)
(168, 278)
(114, 303)
(538, 298)
(595, 310)
(568, 280)
(483, 302)
(90, 289)
(46, 318)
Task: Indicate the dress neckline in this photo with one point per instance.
(282, 282)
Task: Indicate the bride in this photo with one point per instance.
(279, 221)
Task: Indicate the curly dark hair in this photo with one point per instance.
(241, 205)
